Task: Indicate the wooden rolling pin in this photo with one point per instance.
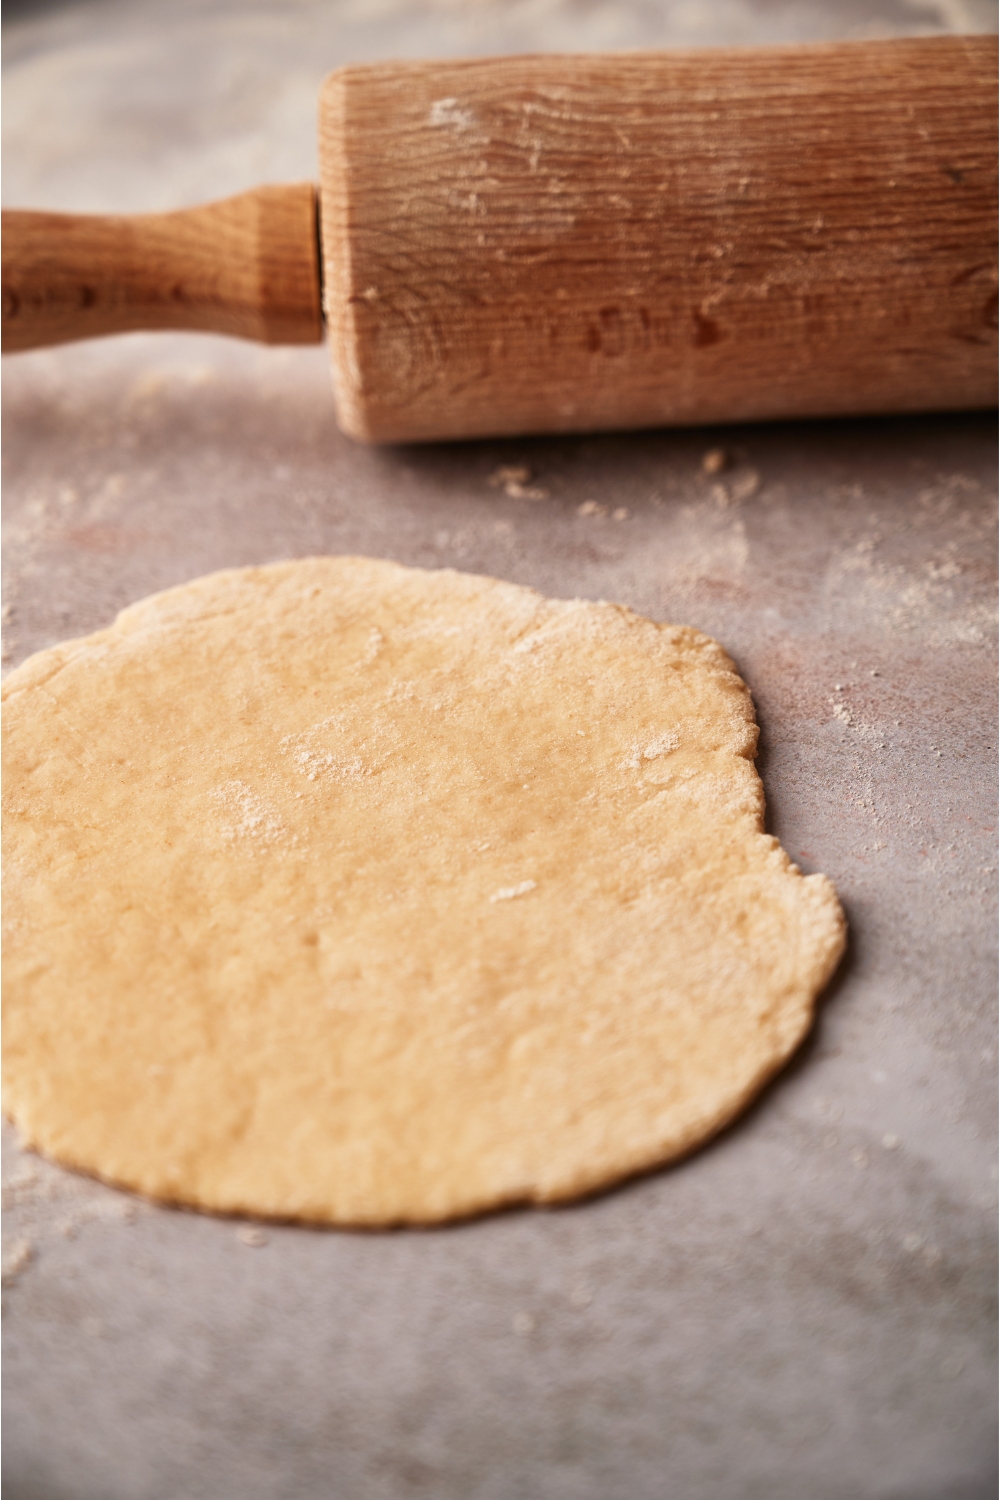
(540, 244)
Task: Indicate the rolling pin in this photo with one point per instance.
(570, 243)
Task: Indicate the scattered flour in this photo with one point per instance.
(508, 893)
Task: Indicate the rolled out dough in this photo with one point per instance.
(347, 892)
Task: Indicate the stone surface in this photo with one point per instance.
(803, 1308)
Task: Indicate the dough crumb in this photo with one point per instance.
(513, 480)
(15, 1257)
(715, 461)
(739, 488)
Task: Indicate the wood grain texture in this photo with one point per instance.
(568, 243)
(247, 266)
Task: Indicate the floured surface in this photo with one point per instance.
(348, 892)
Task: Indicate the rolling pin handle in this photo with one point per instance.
(247, 266)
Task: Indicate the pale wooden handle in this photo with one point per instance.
(247, 266)
(567, 243)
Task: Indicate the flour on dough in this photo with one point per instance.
(347, 892)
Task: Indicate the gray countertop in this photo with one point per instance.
(804, 1307)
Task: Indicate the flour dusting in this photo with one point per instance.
(509, 892)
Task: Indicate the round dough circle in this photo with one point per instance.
(347, 892)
